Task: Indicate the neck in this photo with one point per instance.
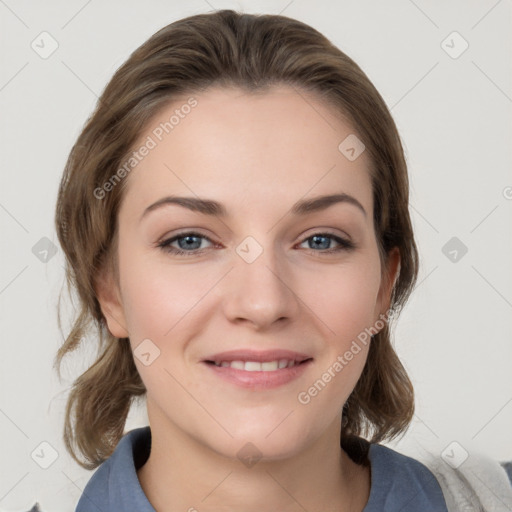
(182, 474)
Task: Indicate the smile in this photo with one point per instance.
(258, 370)
(256, 366)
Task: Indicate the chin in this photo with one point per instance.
(267, 440)
(249, 451)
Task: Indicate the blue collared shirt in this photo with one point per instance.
(398, 482)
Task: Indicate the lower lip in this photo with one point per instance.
(259, 380)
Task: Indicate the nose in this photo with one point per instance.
(260, 293)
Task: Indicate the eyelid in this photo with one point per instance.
(327, 231)
(167, 239)
(344, 242)
(184, 232)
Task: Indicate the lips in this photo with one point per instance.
(256, 366)
(258, 369)
(261, 357)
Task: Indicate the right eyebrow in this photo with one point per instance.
(205, 206)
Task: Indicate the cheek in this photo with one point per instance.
(345, 297)
(347, 311)
(346, 301)
(161, 303)
(158, 297)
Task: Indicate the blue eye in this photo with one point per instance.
(189, 244)
(323, 241)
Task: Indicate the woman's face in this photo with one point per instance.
(268, 275)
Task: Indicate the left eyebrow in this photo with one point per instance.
(321, 203)
(214, 208)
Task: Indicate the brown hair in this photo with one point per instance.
(252, 52)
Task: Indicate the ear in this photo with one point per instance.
(109, 297)
(389, 276)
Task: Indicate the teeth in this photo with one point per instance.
(256, 366)
(270, 366)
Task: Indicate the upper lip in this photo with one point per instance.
(260, 356)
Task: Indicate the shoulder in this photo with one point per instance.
(115, 481)
(507, 466)
(398, 464)
(434, 483)
(400, 482)
(478, 482)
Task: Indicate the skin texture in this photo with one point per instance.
(257, 155)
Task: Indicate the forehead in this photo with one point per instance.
(247, 150)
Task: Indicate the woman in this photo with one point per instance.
(235, 221)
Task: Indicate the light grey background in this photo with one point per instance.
(454, 117)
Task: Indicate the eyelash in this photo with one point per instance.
(165, 245)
